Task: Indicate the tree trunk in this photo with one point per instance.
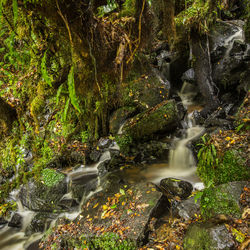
(203, 71)
(7, 115)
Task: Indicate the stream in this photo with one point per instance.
(181, 165)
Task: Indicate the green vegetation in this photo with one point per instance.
(107, 241)
(51, 177)
(215, 201)
(124, 142)
(222, 166)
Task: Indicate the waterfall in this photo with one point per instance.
(181, 157)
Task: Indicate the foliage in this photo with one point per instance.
(51, 177)
(6, 207)
(107, 241)
(72, 92)
(124, 141)
(44, 71)
(215, 201)
(222, 166)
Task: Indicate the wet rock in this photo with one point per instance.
(3, 221)
(40, 223)
(104, 143)
(150, 150)
(188, 209)
(201, 236)
(223, 199)
(228, 54)
(188, 76)
(134, 206)
(162, 118)
(175, 187)
(83, 188)
(16, 221)
(38, 197)
(95, 155)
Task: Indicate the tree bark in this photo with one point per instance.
(7, 115)
(203, 71)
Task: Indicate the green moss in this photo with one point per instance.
(221, 169)
(198, 238)
(108, 241)
(216, 200)
(124, 142)
(51, 177)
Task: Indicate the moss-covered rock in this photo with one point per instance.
(161, 118)
(223, 199)
(207, 237)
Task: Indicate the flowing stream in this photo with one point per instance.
(181, 165)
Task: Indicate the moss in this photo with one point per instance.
(216, 201)
(198, 238)
(51, 177)
(228, 167)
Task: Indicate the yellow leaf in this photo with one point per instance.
(104, 207)
(228, 138)
(95, 205)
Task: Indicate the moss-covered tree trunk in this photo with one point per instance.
(7, 115)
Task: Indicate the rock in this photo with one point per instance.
(16, 221)
(3, 221)
(222, 199)
(176, 187)
(133, 207)
(38, 197)
(188, 76)
(104, 143)
(201, 236)
(40, 223)
(83, 188)
(228, 54)
(162, 118)
(95, 155)
(119, 117)
(188, 209)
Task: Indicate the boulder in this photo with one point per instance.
(16, 221)
(208, 237)
(122, 208)
(223, 199)
(188, 209)
(172, 187)
(40, 222)
(161, 118)
(229, 54)
(119, 117)
(39, 197)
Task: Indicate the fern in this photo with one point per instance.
(72, 91)
(58, 94)
(15, 11)
(64, 118)
(44, 71)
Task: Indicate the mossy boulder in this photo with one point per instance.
(223, 199)
(161, 118)
(119, 117)
(208, 237)
(44, 195)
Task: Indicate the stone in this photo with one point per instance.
(161, 118)
(188, 76)
(104, 143)
(95, 155)
(38, 197)
(188, 209)
(119, 117)
(16, 221)
(223, 199)
(134, 205)
(175, 187)
(208, 237)
(40, 222)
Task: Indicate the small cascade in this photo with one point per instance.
(181, 157)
